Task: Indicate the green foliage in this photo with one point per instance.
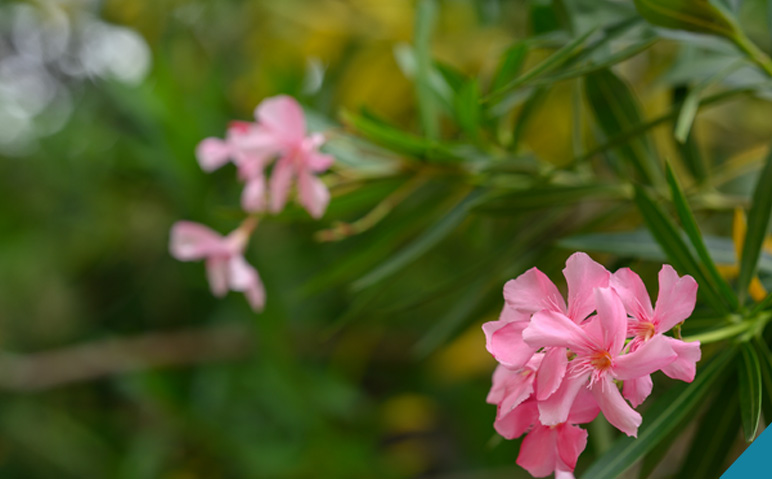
(692, 15)
(474, 140)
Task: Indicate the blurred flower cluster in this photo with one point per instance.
(278, 134)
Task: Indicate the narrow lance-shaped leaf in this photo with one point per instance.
(546, 66)
(667, 235)
(698, 16)
(616, 110)
(765, 361)
(758, 224)
(642, 245)
(687, 146)
(716, 432)
(510, 64)
(693, 232)
(750, 390)
(666, 415)
(433, 235)
(531, 106)
(467, 108)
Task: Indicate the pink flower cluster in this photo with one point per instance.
(562, 363)
(278, 134)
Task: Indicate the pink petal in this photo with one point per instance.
(217, 273)
(518, 421)
(554, 410)
(551, 372)
(313, 194)
(538, 452)
(613, 319)
(244, 278)
(505, 343)
(253, 195)
(319, 162)
(519, 387)
(212, 153)
(191, 241)
(548, 328)
(684, 366)
(651, 356)
(250, 166)
(281, 181)
(499, 384)
(583, 275)
(676, 298)
(563, 474)
(637, 390)
(533, 291)
(614, 407)
(571, 441)
(283, 116)
(585, 408)
(633, 294)
(509, 314)
(256, 140)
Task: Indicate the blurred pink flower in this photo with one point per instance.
(244, 146)
(282, 132)
(226, 267)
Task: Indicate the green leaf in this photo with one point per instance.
(697, 16)
(433, 235)
(546, 66)
(547, 196)
(510, 64)
(691, 101)
(693, 232)
(642, 245)
(667, 235)
(616, 110)
(716, 432)
(399, 141)
(666, 416)
(758, 224)
(765, 360)
(426, 14)
(618, 57)
(687, 114)
(530, 107)
(750, 390)
(689, 149)
(467, 108)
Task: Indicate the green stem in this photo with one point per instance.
(721, 333)
(754, 53)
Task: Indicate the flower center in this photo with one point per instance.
(601, 360)
(647, 331)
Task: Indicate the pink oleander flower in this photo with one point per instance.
(509, 389)
(532, 292)
(226, 267)
(601, 358)
(548, 449)
(281, 132)
(675, 302)
(241, 146)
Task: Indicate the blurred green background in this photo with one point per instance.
(117, 361)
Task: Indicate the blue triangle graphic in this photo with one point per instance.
(754, 462)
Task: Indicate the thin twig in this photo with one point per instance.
(84, 362)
